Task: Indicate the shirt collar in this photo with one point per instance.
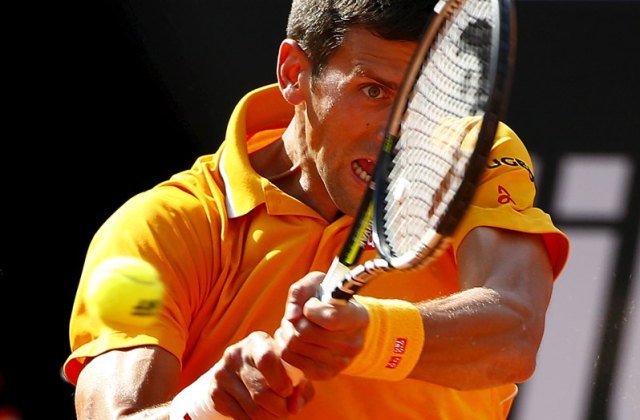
(261, 109)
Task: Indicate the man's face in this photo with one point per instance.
(347, 110)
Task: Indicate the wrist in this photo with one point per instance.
(194, 402)
(393, 340)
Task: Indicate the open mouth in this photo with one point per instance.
(363, 168)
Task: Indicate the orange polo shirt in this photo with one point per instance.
(228, 244)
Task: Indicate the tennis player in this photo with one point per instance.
(248, 231)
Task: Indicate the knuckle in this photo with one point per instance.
(302, 326)
(219, 374)
(257, 336)
(260, 396)
(266, 360)
(354, 347)
(231, 355)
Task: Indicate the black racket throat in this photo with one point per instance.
(360, 230)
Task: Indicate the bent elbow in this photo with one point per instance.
(526, 334)
(525, 368)
(520, 361)
(525, 355)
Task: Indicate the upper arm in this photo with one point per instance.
(515, 264)
(125, 381)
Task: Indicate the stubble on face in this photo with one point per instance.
(346, 120)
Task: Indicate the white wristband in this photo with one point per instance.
(194, 402)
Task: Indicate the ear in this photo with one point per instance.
(293, 68)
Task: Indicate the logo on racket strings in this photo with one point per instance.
(367, 240)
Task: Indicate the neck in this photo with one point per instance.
(285, 170)
(284, 174)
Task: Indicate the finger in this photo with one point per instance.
(265, 378)
(349, 318)
(264, 402)
(304, 333)
(302, 394)
(300, 292)
(228, 391)
(324, 355)
(251, 382)
(265, 357)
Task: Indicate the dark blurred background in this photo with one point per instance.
(109, 97)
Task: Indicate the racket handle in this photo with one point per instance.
(341, 282)
(331, 289)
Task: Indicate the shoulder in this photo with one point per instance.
(165, 214)
(509, 154)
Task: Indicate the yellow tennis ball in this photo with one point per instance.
(125, 293)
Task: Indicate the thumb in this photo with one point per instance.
(300, 292)
(302, 394)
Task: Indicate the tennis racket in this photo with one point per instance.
(440, 133)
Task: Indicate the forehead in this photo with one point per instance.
(364, 51)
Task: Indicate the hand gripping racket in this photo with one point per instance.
(440, 132)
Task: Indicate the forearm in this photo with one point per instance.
(118, 406)
(489, 333)
(160, 412)
(146, 381)
(478, 338)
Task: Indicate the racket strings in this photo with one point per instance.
(438, 131)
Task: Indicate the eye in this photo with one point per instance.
(374, 91)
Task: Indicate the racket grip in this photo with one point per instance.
(331, 287)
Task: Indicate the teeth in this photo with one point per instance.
(360, 171)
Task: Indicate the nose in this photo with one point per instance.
(382, 125)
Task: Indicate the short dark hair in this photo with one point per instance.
(319, 26)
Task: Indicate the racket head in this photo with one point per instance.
(442, 128)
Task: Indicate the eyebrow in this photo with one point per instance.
(365, 71)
